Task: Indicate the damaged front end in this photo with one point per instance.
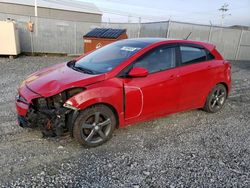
(52, 114)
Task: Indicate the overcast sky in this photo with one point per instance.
(195, 11)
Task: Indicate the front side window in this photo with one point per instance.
(192, 54)
(158, 59)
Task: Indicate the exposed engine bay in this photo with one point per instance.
(51, 115)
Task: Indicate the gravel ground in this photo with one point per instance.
(189, 149)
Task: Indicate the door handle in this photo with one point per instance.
(174, 76)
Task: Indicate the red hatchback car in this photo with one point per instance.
(123, 83)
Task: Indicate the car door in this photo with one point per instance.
(195, 76)
(157, 93)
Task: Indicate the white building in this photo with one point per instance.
(54, 9)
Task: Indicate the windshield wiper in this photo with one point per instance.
(81, 69)
(88, 71)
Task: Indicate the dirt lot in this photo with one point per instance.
(188, 149)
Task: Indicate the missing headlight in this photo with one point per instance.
(73, 91)
(41, 102)
(54, 112)
(19, 98)
(69, 105)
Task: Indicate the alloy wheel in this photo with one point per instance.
(218, 98)
(96, 128)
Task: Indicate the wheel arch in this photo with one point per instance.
(109, 94)
(207, 103)
(114, 110)
(223, 83)
(226, 86)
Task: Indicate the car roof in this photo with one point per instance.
(165, 40)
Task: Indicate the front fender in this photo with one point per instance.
(108, 92)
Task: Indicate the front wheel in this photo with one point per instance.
(94, 126)
(216, 99)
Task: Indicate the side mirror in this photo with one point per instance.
(138, 72)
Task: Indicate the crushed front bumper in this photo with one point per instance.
(23, 122)
(21, 108)
(23, 102)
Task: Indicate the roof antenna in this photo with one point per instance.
(188, 36)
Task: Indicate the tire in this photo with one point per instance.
(94, 126)
(216, 99)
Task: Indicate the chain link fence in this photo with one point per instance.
(60, 36)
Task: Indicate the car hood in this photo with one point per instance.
(57, 78)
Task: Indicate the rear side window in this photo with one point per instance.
(192, 54)
(210, 56)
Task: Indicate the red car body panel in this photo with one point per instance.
(193, 77)
(107, 92)
(133, 99)
(55, 79)
(148, 93)
(22, 107)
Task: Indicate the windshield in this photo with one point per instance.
(108, 57)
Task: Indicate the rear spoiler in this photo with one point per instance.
(213, 50)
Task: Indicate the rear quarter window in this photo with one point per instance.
(192, 54)
(210, 56)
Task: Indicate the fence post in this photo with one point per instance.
(168, 31)
(31, 40)
(210, 33)
(238, 46)
(75, 29)
(139, 29)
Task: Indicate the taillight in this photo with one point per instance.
(228, 70)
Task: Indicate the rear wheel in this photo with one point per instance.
(94, 126)
(216, 99)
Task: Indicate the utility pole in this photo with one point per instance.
(108, 23)
(129, 18)
(224, 8)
